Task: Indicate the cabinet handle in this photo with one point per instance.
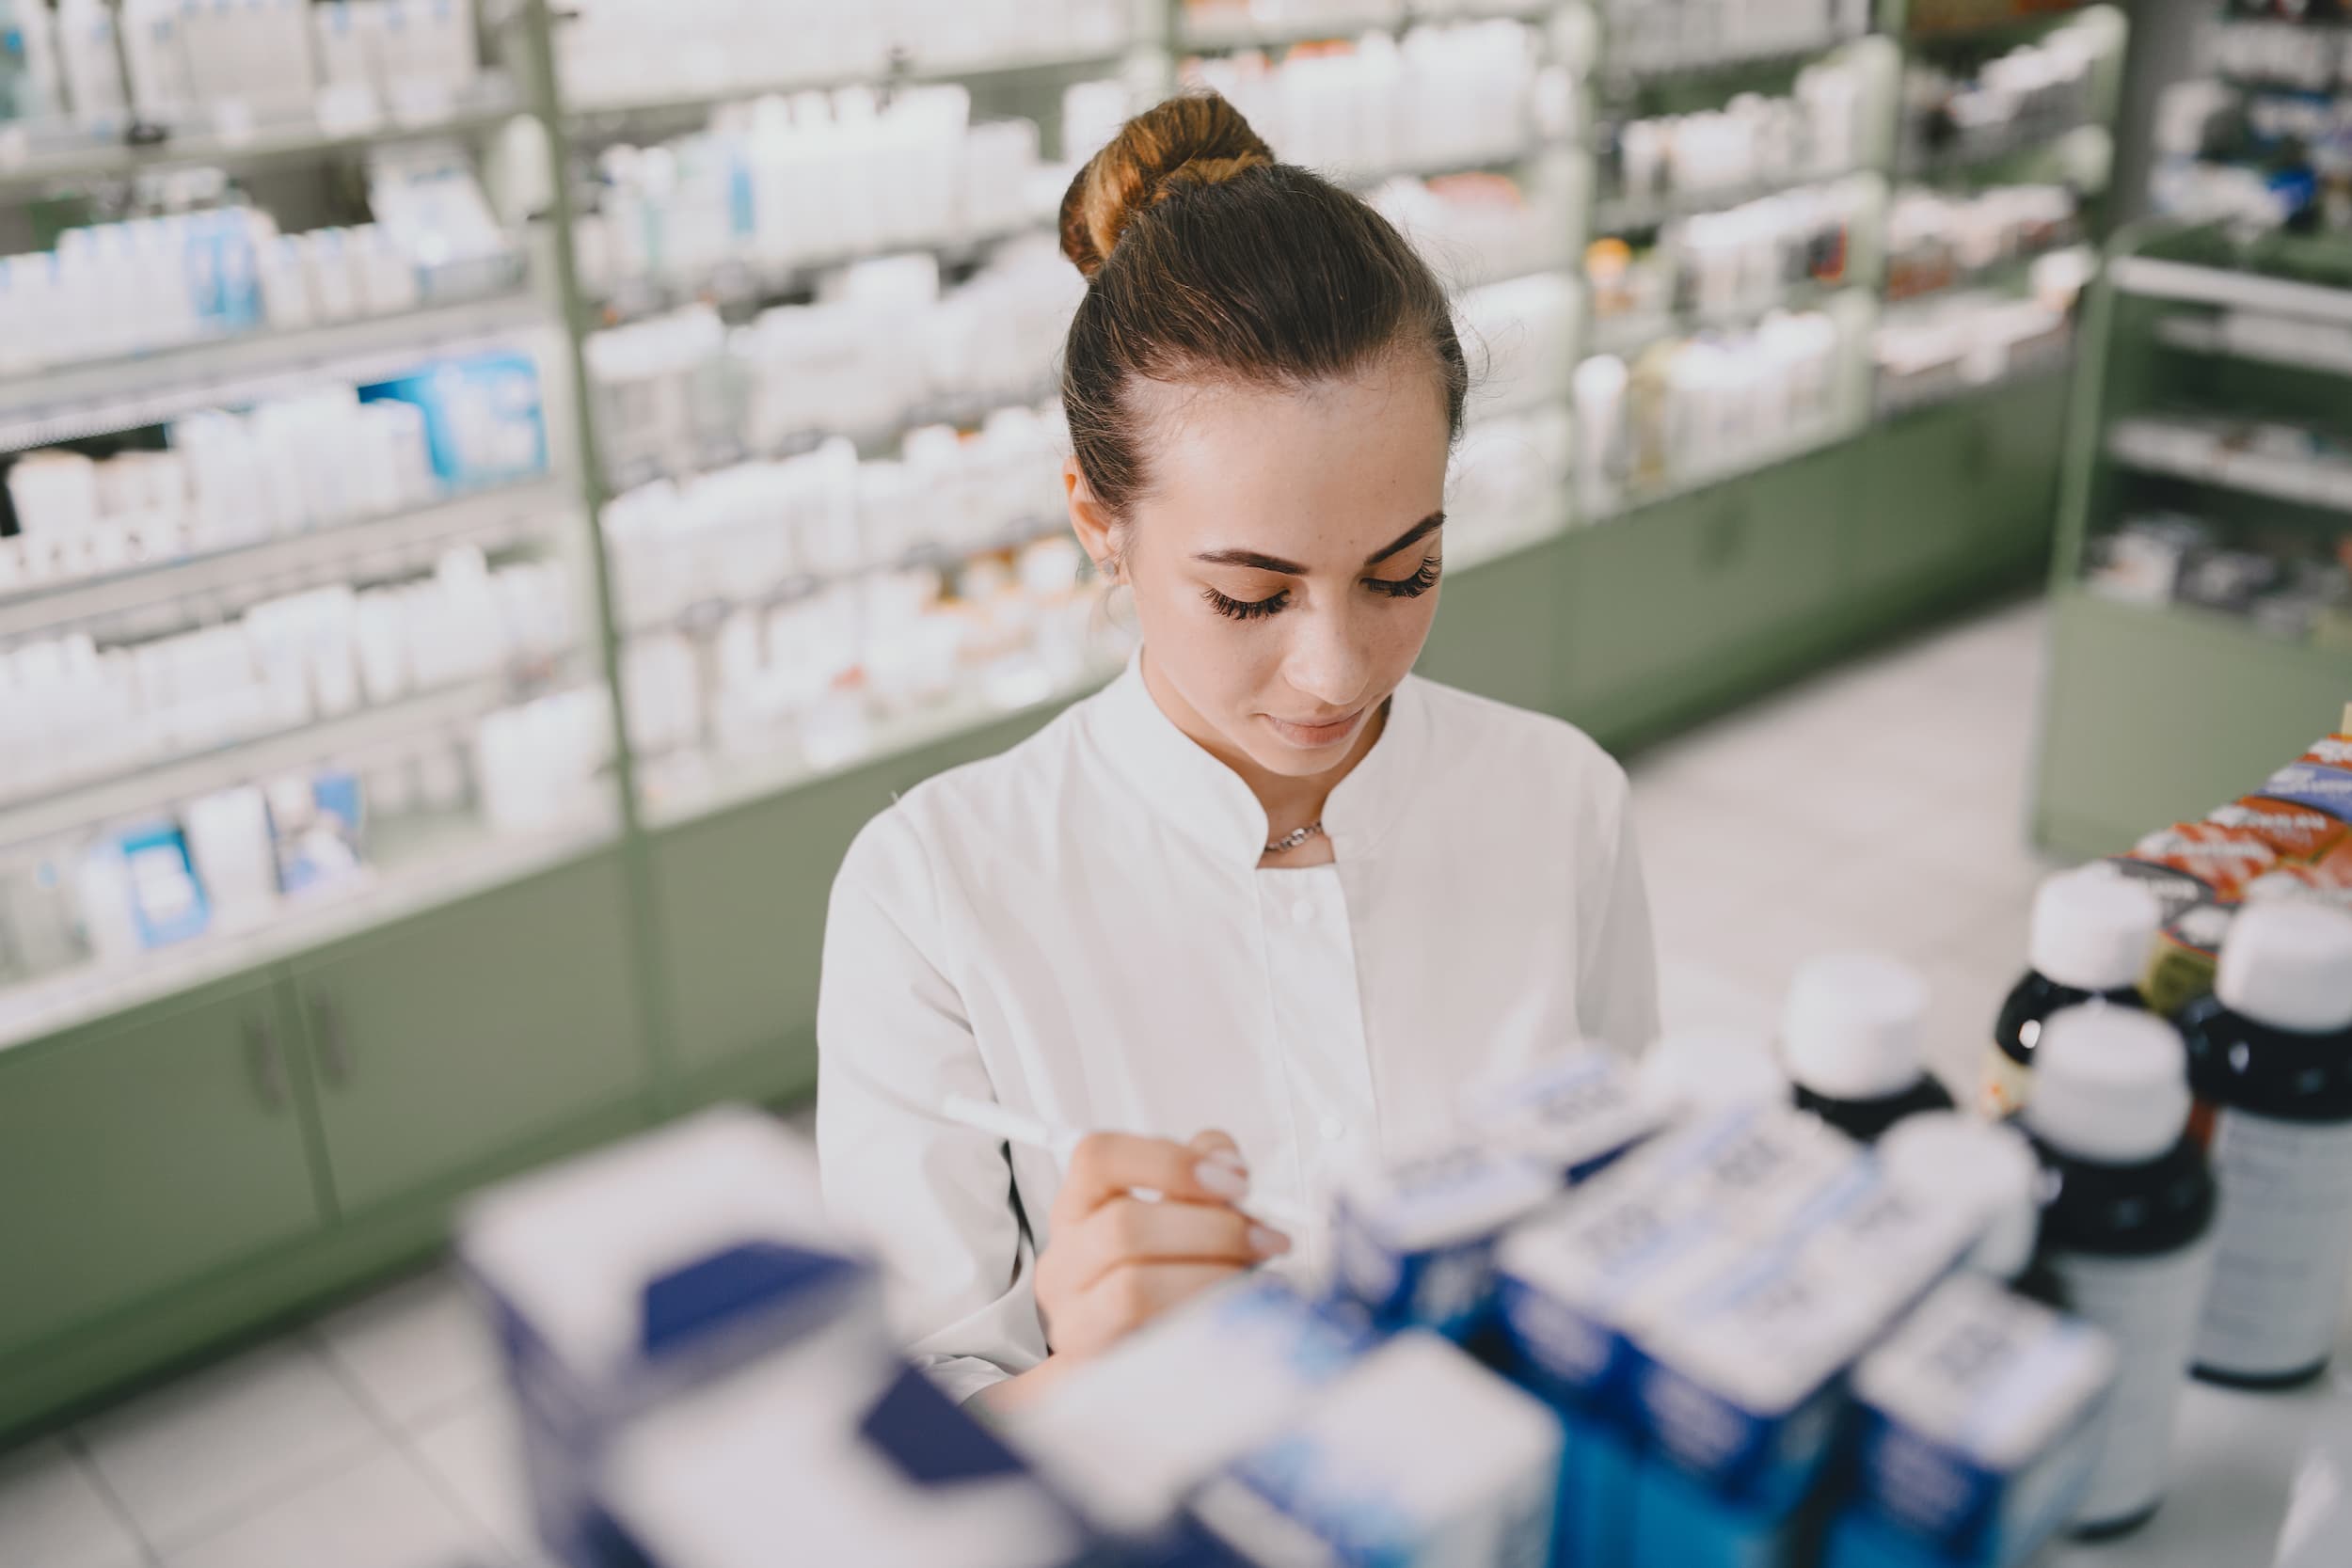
(267, 1066)
(327, 1022)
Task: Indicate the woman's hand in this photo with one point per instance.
(1115, 1262)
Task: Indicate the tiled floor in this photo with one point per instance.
(1880, 804)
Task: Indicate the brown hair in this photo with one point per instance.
(1208, 260)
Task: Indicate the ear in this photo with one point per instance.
(1098, 533)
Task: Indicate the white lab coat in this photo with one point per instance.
(1079, 930)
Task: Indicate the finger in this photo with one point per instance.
(1127, 1229)
(1214, 1141)
(1111, 1164)
(1133, 1294)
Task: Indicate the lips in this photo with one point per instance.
(1327, 733)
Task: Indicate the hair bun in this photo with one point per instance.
(1197, 139)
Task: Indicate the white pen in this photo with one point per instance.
(1061, 1142)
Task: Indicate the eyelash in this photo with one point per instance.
(1396, 588)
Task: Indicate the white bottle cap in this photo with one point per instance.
(2092, 928)
(2289, 965)
(1944, 1154)
(1699, 1068)
(1851, 1028)
(2110, 1085)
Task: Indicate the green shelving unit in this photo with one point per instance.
(2157, 709)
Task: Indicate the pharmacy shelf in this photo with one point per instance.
(736, 284)
(29, 163)
(682, 790)
(71, 402)
(153, 788)
(2232, 638)
(2154, 445)
(1498, 159)
(164, 596)
(2290, 342)
(1628, 334)
(1638, 500)
(705, 614)
(2005, 276)
(2153, 277)
(415, 868)
(2034, 363)
(1617, 214)
(613, 116)
(1230, 32)
(1679, 64)
(1986, 155)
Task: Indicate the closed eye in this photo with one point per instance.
(1410, 587)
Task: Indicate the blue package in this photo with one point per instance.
(482, 420)
(1979, 1424)
(1413, 1242)
(2315, 785)
(167, 902)
(317, 826)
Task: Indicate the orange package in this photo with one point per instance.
(2293, 832)
(2224, 859)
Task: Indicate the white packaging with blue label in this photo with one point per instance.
(621, 1279)
(829, 1451)
(1575, 1285)
(1417, 1458)
(482, 417)
(1218, 1376)
(1574, 1111)
(1740, 1380)
(1980, 1421)
(1413, 1242)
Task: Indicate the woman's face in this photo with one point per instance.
(1285, 562)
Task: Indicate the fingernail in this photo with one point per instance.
(1223, 1179)
(1267, 1243)
(1229, 1157)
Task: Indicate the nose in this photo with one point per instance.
(1328, 661)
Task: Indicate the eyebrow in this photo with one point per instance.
(1255, 562)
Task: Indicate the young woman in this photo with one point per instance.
(1267, 883)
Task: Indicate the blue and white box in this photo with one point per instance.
(1413, 1241)
(1978, 1426)
(620, 1280)
(1218, 1376)
(828, 1453)
(482, 420)
(1740, 1385)
(1575, 1111)
(1418, 1458)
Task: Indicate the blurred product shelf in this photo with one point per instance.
(71, 402)
(685, 789)
(735, 284)
(33, 160)
(2270, 339)
(1622, 211)
(1236, 26)
(2209, 453)
(146, 789)
(2036, 363)
(171, 594)
(611, 113)
(1627, 334)
(413, 868)
(1987, 157)
(1700, 59)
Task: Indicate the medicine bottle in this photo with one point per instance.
(1849, 1040)
(2270, 1063)
(2127, 1223)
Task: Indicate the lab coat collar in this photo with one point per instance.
(1183, 783)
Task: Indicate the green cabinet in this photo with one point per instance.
(1676, 606)
(1924, 478)
(1962, 493)
(442, 1042)
(145, 1152)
